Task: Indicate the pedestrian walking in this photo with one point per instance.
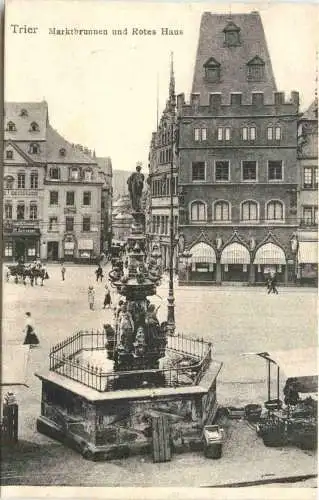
(273, 284)
(63, 270)
(268, 284)
(30, 336)
(99, 273)
(107, 298)
(91, 296)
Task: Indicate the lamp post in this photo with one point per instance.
(171, 298)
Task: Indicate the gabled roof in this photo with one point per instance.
(312, 112)
(35, 112)
(211, 63)
(256, 60)
(231, 27)
(55, 142)
(233, 60)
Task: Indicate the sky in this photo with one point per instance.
(102, 89)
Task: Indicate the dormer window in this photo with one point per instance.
(11, 127)
(212, 70)
(256, 70)
(23, 112)
(34, 127)
(62, 152)
(232, 35)
(34, 149)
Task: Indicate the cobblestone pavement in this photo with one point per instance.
(235, 319)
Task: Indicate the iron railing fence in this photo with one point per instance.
(64, 360)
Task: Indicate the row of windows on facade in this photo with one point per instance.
(75, 174)
(11, 127)
(70, 198)
(214, 74)
(249, 211)
(21, 181)
(309, 215)
(69, 224)
(161, 224)
(249, 170)
(54, 173)
(246, 133)
(21, 211)
(34, 148)
(162, 187)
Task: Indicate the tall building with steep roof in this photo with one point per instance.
(235, 142)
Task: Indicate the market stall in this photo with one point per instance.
(292, 419)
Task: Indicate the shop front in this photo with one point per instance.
(235, 262)
(308, 262)
(202, 265)
(85, 250)
(21, 244)
(270, 260)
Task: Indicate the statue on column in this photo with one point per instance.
(135, 187)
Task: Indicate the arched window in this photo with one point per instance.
(222, 211)
(23, 112)
(275, 210)
(62, 152)
(249, 210)
(198, 211)
(33, 211)
(34, 148)
(277, 133)
(11, 127)
(9, 181)
(9, 154)
(34, 127)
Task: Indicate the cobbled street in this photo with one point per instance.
(236, 320)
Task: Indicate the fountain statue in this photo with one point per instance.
(139, 338)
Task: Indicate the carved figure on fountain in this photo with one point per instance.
(135, 187)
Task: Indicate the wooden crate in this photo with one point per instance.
(161, 439)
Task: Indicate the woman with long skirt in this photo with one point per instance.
(30, 335)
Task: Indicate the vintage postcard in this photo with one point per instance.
(160, 249)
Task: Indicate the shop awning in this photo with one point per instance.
(85, 244)
(270, 254)
(235, 253)
(15, 365)
(308, 252)
(202, 252)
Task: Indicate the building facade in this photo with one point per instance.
(236, 159)
(53, 203)
(307, 272)
(72, 202)
(162, 180)
(105, 170)
(23, 171)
